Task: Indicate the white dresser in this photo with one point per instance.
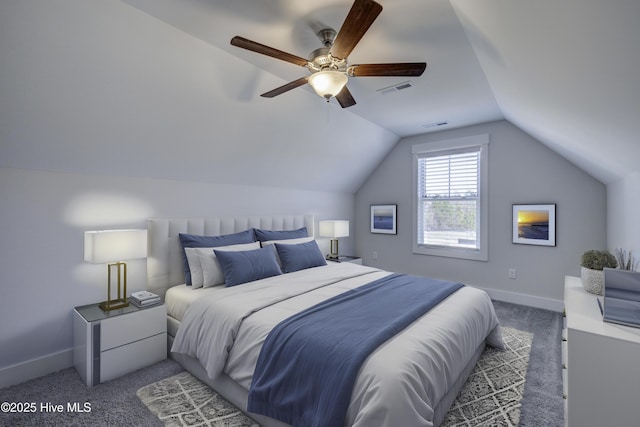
(110, 344)
(602, 376)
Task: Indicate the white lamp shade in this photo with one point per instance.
(106, 246)
(328, 83)
(334, 228)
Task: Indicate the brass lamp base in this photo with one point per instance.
(121, 300)
(333, 254)
(113, 304)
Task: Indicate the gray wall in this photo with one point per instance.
(623, 211)
(43, 216)
(521, 170)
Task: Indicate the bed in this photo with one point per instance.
(411, 379)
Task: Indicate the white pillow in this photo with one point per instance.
(193, 259)
(211, 271)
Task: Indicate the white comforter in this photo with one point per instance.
(400, 384)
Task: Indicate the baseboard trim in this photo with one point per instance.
(34, 368)
(524, 299)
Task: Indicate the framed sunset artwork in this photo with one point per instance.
(534, 224)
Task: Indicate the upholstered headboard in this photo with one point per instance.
(164, 258)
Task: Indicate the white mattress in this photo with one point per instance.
(179, 298)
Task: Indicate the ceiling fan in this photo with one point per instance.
(328, 65)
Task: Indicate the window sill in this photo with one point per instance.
(470, 254)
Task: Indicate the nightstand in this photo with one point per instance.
(347, 258)
(107, 345)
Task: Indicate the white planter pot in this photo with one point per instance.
(592, 280)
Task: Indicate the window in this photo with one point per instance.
(450, 202)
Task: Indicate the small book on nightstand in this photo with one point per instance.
(144, 299)
(342, 258)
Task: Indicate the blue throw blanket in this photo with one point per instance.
(309, 362)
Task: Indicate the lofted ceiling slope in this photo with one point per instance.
(101, 87)
(153, 88)
(565, 72)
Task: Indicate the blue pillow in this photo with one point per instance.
(266, 235)
(195, 241)
(247, 266)
(300, 256)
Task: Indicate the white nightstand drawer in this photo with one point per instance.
(108, 344)
(121, 330)
(127, 358)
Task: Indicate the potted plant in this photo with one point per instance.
(593, 262)
(626, 260)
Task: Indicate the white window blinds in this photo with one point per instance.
(449, 198)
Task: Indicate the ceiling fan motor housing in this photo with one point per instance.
(320, 59)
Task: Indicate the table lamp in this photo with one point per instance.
(113, 247)
(334, 229)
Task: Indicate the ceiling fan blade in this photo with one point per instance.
(345, 99)
(285, 88)
(269, 51)
(355, 25)
(398, 69)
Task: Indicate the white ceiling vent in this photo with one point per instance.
(395, 88)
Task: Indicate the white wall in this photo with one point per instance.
(133, 118)
(623, 212)
(521, 170)
(42, 219)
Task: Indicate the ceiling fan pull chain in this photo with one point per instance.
(328, 107)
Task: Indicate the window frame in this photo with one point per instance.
(480, 142)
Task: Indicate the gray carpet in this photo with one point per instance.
(542, 404)
(115, 403)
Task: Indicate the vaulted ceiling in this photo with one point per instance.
(153, 88)
(565, 72)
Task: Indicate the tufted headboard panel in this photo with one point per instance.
(164, 258)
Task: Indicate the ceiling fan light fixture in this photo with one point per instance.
(328, 83)
(329, 65)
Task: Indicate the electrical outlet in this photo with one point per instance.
(375, 255)
(513, 274)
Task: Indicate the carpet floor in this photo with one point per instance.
(115, 403)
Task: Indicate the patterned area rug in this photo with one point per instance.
(490, 397)
(492, 394)
(182, 400)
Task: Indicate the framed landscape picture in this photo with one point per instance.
(383, 219)
(534, 224)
